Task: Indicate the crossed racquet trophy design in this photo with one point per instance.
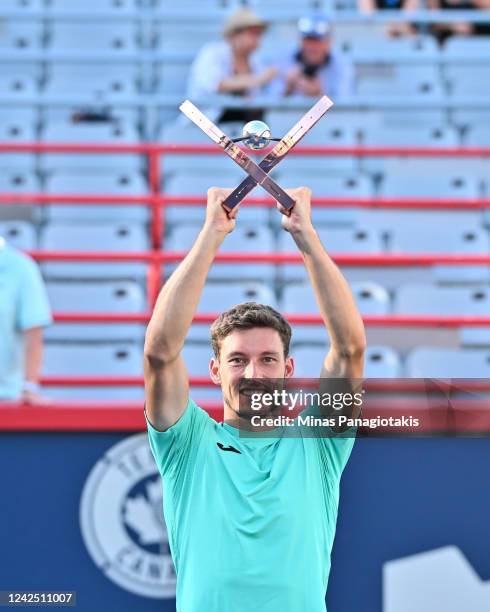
(256, 135)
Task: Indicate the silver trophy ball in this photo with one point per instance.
(256, 135)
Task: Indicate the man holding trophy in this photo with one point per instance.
(251, 519)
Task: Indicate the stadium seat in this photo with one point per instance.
(426, 238)
(197, 357)
(19, 234)
(90, 359)
(105, 82)
(336, 240)
(244, 239)
(198, 183)
(106, 132)
(430, 362)
(99, 37)
(172, 76)
(17, 130)
(478, 135)
(371, 298)
(93, 6)
(101, 297)
(107, 237)
(380, 361)
(20, 37)
(324, 185)
(18, 86)
(457, 301)
(24, 6)
(110, 182)
(17, 182)
(412, 135)
(418, 84)
(391, 49)
(217, 297)
(413, 185)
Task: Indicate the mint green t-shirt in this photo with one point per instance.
(250, 530)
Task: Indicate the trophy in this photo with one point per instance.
(256, 136)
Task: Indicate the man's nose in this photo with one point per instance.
(252, 370)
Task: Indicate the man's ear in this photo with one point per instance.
(214, 371)
(289, 369)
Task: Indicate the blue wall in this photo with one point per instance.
(398, 497)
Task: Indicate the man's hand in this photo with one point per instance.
(298, 219)
(218, 219)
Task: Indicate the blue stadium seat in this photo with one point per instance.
(17, 130)
(430, 362)
(244, 239)
(99, 37)
(197, 183)
(467, 47)
(91, 132)
(478, 136)
(392, 49)
(22, 6)
(124, 183)
(197, 357)
(90, 359)
(450, 185)
(336, 240)
(20, 37)
(111, 237)
(380, 361)
(457, 301)
(217, 297)
(419, 238)
(19, 181)
(412, 135)
(18, 86)
(419, 82)
(93, 6)
(324, 185)
(101, 297)
(172, 77)
(19, 234)
(105, 82)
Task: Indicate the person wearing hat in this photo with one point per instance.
(316, 67)
(232, 67)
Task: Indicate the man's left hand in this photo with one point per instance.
(297, 220)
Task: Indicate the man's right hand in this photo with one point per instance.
(218, 219)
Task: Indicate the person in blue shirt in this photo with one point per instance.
(251, 518)
(316, 67)
(24, 311)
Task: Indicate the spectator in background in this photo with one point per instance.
(24, 311)
(393, 30)
(442, 31)
(316, 68)
(232, 67)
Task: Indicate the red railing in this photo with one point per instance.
(156, 201)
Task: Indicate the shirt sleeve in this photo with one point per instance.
(33, 304)
(207, 71)
(175, 447)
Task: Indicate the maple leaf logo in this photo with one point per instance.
(143, 513)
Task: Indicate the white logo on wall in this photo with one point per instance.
(440, 579)
(121, 520)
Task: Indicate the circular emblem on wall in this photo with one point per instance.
(121, 519)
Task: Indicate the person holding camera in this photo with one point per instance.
(316, 67)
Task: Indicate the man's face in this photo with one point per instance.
(255, 353)
(247, 40)
(314, 50)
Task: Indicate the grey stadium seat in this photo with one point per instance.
(109, 182)
(18, 37)
(15, 130)
(117, 6)
(429, 362)
(111, 237)
(413, 185)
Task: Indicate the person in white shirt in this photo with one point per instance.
(316, 67)
(232, 67)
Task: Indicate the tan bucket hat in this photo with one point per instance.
(241, 19)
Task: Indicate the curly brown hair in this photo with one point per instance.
(246, 316)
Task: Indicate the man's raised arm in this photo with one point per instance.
(166, 379)
(333, 295)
